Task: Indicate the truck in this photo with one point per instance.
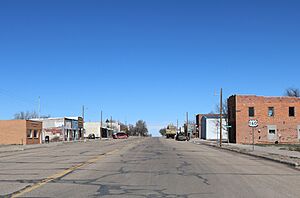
(171, 131)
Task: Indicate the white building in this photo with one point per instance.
(94, 128)
(210, 128)
(62, 129)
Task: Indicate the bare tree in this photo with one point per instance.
(224, 110)
(140, 128)
(292, 92)
(22, 115)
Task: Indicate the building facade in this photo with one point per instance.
(107, 130)
(210, 128)
(278, 119)
(62, 129)
(92, 128)
(20, 132)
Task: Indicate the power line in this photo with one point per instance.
(16, 97)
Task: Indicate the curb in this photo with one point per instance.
(291, 164)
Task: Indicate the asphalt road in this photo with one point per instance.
(149, 167)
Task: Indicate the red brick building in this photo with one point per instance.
(278, 119)
(20, 132)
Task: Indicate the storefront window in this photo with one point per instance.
(29, 133)
(35, 134)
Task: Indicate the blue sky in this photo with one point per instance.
(150, 60)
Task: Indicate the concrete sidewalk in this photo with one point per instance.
(274, 153)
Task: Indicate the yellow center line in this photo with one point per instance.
(65, 172)
(59, 175)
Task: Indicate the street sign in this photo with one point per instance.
(253, 123)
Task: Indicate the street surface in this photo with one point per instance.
(142, 167)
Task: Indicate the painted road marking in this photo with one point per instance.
(67, 171)
(59, 175)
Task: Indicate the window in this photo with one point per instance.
(291, 111)
(35, 134)
(272, 131)
(271, 111)
(29, 133)
(251, 111)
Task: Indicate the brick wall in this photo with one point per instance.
(37, 126)
(285, 127)
(15, 132)
(12, 132)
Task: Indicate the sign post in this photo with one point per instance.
(253, 124)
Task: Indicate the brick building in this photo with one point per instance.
(278, 119)
(20, 132)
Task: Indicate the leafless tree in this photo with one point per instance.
(140, 128)
(224, 110)
(292, 92)
(22, 115)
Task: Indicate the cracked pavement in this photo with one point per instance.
(146, 168)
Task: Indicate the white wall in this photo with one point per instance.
(213, 129)
(92, 128)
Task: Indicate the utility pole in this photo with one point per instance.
(101, 125)
(221, 108)
(187, 124)
(111, 124)
(177, 127)
(83, 113)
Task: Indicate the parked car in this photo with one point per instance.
(181, 137)
(91, 136)
(120, 135)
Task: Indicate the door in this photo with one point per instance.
(272, 132)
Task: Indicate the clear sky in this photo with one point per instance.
(144, 59)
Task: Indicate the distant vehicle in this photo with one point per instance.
(91, 136)
(120, 135)
(170, 131)
(181, 137)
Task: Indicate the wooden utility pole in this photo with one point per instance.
(83, 113)
(187, 124)
(177, 127)
(111, 125)
(221, 108)
(101, 125)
